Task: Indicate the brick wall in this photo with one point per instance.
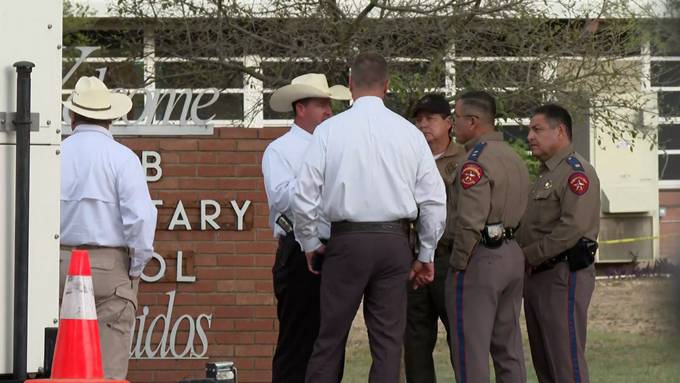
(232, 268)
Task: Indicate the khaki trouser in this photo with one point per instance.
(483, 305)
(556, 306)
(115, 296)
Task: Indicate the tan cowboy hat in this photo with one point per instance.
(306, 86)
(91, 98)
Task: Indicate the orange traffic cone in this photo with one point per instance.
(77, 355)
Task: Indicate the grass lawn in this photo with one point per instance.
(630, 337)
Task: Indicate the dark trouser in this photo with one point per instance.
(556, 307)
(483, 303)
(426, 306)
(375, 266)
(297, 292)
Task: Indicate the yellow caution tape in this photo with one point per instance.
(635, 239)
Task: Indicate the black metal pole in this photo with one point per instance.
(22, 123)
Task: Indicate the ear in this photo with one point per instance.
(387, 86)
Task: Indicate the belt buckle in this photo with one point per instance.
(495, 232)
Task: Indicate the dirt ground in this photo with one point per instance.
(637, 306)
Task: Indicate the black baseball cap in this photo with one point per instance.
(432, 103)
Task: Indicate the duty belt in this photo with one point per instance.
(494, 234)
(399, 227)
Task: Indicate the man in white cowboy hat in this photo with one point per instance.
(105, 208)
(296, 289)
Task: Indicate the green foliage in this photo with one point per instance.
(523, 150)
(77, 17)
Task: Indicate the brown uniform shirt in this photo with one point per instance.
(448, 164)
(564, 206)
(491, 189)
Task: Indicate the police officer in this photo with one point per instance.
(484, 287)
(426, 307)
(557, 235)
(105, 208)
(297, 290)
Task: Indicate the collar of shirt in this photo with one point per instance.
(368, 101)
(558, 157)
(451, 151)
(92, 128)
(299, 132)
(490, 136)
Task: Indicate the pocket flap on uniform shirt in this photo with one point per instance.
(102, 263)
(543, 194)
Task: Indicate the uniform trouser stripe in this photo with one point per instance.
(572, 329)
(459, 325)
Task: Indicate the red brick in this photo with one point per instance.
(235, 338)
(235, 285)
(272, 133)
(255, 376)
(236, 260)
(264, 287)
(198, 183)
(214, 247)
(205, 260)
(248, 171)
(238, 158)
(259, 196)
(252, 145)
(255, 247)
(254, 350)
(253, 273)
(263, 363)
(197, 158)
(179, 171)
(241, 184)
(216, 145)
(264, 260)
(169, 158)
(216, 171)
(264, 312)
(141, 144)
(179, 144)
(238, 133)
(255, 299)
(234, 312)
(244, 235)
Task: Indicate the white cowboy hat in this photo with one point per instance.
(306, 86)
(91, 98)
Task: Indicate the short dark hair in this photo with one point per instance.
(480, 100)
(80, 119)
(303, 101)
(369, 69)
(555, 114)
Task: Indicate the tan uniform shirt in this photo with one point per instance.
(448, 164)
(564, 206)
(492, 189)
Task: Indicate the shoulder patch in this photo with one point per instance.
(579, 183)
(476, 151)
(470, 175)
(575, 163)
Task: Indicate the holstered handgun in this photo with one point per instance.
(582, 254)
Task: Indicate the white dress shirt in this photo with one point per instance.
(280, 167)
(104, 197)
(370, 164)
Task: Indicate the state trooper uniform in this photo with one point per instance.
(484, 286)
(426, 305)
(557, 235)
